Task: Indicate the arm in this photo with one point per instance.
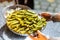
(51, 17)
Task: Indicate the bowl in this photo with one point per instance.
(14, 7)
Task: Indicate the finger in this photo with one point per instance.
(38, 32)
(31, 36)
(41, 35)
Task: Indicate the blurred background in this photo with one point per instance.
(43, 5)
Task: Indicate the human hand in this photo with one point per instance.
(40, 36)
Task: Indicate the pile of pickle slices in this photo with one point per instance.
(25, 22)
